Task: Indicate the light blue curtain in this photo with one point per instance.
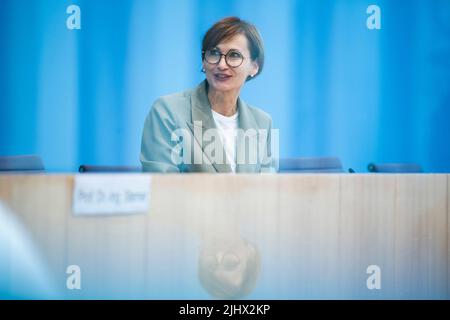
(332, 86)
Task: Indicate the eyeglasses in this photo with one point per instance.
(233, 58)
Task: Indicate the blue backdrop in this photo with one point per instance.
(332, 86)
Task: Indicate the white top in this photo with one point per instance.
(227, 127)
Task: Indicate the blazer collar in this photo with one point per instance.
(201, 110)
(201, 107)
(201, 114)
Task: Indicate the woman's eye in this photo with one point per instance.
(235, 55)
(214, 53)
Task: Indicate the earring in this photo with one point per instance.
(203, 70)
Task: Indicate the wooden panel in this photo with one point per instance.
(366, 235)
(110, 251)
(5, 187)
(258, 217)
(421, 236)
(171, 239)
(308, 220)
(316, 234)
(227, 207)
(41, 202)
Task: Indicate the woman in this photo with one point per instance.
(209, 128)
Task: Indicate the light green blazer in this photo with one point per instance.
(189, 112)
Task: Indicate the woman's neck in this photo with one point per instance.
(222, 102)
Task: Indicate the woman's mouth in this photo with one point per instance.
(222, 77)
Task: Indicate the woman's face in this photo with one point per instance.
(221, 76)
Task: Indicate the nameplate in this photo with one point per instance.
(98, 194)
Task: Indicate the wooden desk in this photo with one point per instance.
(316, 234)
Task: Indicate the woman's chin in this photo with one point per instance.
(223, 85)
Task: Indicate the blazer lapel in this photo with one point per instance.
(202, 120)
(249, 131)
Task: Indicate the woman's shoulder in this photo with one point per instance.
(262, 117)
(177, 103)
(174, 100)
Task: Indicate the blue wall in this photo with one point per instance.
(332, 86)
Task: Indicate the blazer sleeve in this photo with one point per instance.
(270, 161)
(156, 144)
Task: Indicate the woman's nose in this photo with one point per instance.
(222, 63)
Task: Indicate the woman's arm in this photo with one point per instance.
(156, 145)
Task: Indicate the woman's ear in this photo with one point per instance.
(254, 69)
(203, 67)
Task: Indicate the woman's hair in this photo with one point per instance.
(228, 28)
